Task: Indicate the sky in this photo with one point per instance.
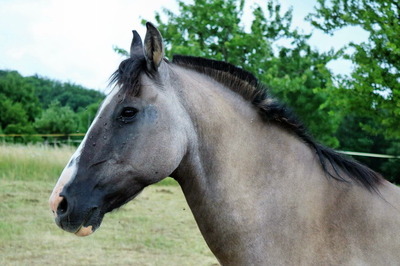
(72, 41)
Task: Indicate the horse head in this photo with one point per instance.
(137, 138)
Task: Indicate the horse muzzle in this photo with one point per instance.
(81, 219)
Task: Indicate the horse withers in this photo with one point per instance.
(262, 191)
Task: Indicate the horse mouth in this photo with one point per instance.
(90, 223)
(85, 230)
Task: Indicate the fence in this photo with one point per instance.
(366, 154)
(54, 139)
(71, 138)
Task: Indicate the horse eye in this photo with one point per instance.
(129, 112)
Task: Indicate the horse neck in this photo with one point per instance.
(230, 142)
(234, 161)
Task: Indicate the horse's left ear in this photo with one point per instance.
(153, 47)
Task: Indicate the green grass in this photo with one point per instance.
(157, 228)
(40, 163)
(32, 163)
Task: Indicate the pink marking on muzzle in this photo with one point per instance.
(55, 197)
(84, 231)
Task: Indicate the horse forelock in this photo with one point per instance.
(127, 75)
(335, 165)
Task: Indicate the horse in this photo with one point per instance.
(261, 189)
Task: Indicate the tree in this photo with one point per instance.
(11, 112)
(67, 94)
(351, 140)
(373, 89)
(199, 32)
(30, 105)
(221, 34)
(18, 103)
(371, 94)
(57, 119)
(297, 74)
(300, 77)
(86, 116)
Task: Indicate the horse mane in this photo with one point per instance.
(126, 76)
(334, 164)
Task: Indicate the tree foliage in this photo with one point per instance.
(300, 77)
(18, 103)
(370, 96)
(297, 75)
(34, 104)
(57, 119)
(373, 89)
(205, 28)
(67, 94)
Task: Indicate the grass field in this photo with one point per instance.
(157, 228)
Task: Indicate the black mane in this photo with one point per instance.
(334, 164)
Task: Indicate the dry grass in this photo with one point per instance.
(157, 228)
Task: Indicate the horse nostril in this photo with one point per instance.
(62, 207)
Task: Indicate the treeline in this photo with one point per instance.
(38, 105)
(356, 112)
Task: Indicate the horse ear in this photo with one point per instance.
(153, 47)
(136, 45)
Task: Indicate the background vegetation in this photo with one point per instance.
(157, 228)
(357, 112)
(30, 105)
